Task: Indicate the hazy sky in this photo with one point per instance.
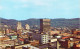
(25, 9)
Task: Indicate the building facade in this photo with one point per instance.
(19, 26)
(43, 38)
(44, 25)
(27, 27)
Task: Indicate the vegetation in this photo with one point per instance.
(73, 23)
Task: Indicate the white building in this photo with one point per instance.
(27, 26)
(43, 38)
(19, 25)
(31, 47)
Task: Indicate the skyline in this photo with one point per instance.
(26, 9)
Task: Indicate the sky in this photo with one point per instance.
(26, 9)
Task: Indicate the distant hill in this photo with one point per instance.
(73, 23)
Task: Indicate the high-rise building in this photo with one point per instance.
(27, 26)
(44, 25)
(43, 36)
(19, 26)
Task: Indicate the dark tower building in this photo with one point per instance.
(45, 25)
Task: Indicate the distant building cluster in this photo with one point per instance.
(46, 37)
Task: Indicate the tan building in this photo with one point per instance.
(27, 26)
(54, 32)
(19, 26)
(7, 31)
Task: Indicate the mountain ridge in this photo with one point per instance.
(74, 22)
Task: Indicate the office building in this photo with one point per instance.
(44, 25)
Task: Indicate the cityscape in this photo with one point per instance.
(39, 37)
(39, 24)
